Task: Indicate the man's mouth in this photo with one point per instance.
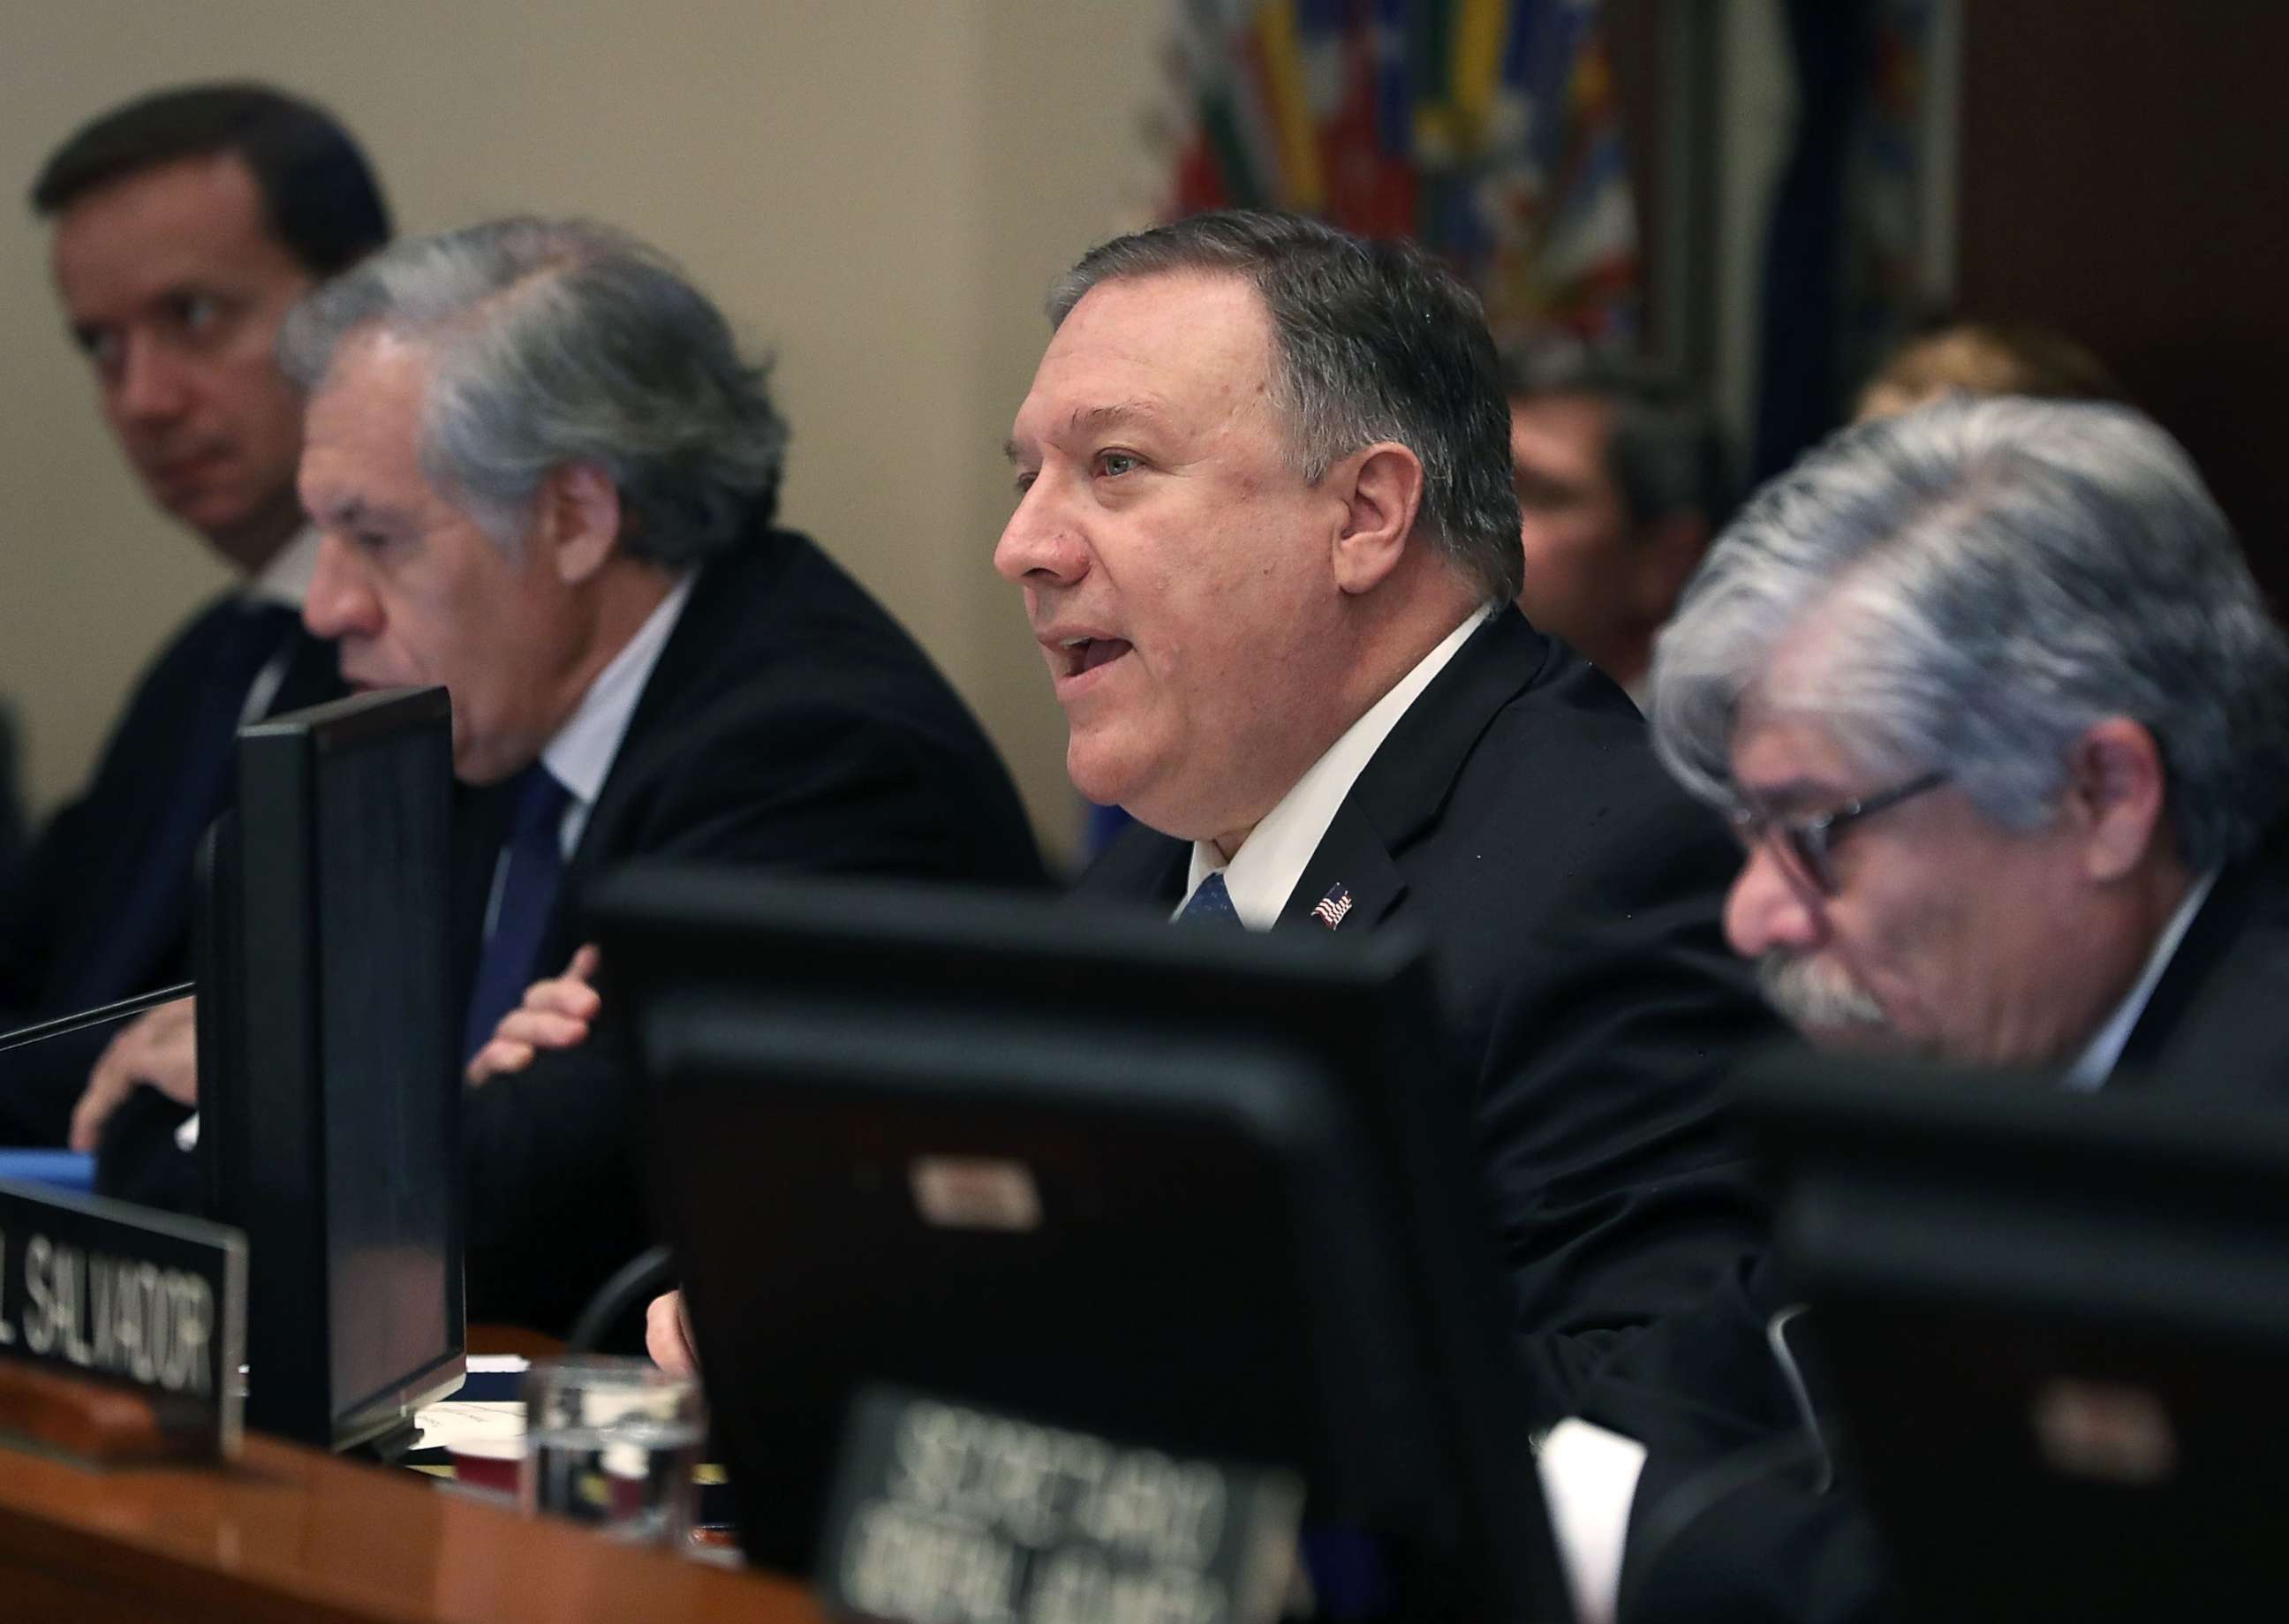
(1080, 655)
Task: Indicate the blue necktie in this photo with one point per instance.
(532, 862)
(1210, 903)
(247, 635)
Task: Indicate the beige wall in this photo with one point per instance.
(878, 190)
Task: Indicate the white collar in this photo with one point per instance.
(1270, 861)
(285, 579)
(579, 753)
(2098, 1061)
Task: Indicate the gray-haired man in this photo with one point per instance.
(544, 477)
(2003, 722)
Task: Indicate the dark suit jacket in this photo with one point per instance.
(71, 889)
(1570, 893)
(1708, 1395)
(791, 724)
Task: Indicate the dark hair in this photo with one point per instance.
(319, 195)
(1663, 450)
(1375, 342)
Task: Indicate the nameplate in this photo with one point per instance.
(945, 1513)
(128, 1299)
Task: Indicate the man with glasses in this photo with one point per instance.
(2002, 722)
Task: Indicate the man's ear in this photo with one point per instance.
(1380, 489)
(578, 519)
(2117, 795)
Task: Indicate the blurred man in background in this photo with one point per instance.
(187, 224)
(1985, 358)
(1619, 482)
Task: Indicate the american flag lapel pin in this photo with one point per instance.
(1333, 906)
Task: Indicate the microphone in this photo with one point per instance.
(40, 1031)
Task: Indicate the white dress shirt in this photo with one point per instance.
(284, 581)
(1270, 859)
(579, 755)
(2098, 1059)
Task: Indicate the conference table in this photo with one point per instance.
(289, 1534)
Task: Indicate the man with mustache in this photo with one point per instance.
(2003, 724)
(187, 224)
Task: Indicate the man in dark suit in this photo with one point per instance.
(1268, 543)
(544, 477)
(187, 223)
(2004, 722)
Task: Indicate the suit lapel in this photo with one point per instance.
(1351, 874)
(2228, 960)
(1404, 785)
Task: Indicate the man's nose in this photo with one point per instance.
(1765, 908)
(1038, 545)
(341, 602)
(150, 386)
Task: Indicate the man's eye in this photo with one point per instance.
(1024, 482)
(197, 314)
(1113, 465)
(102, 350)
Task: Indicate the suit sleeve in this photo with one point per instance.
(1622, 1192)
(555, 1154)
(1741, 1511)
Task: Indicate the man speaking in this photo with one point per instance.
(1268, 542)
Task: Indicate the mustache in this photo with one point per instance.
(1818, 997)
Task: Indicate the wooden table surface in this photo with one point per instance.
(288, 1533)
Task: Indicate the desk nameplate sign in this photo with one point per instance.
(121, 1329)
(945, 1513)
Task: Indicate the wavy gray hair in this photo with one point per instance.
(1988, 578)
(560, 342)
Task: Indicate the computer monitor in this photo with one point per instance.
(329, 1092)
(2057, 1326)
(1200, 1190)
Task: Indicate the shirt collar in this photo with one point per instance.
(1270, 861)
(580, 752)
(2098, 1061)
(285, 579)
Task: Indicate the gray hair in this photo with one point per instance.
(562, 342)
(1662, 451)
(1373, 342)
(1991, 578)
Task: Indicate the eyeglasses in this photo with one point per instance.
(1804, 844)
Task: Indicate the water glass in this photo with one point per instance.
(611, 1442)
